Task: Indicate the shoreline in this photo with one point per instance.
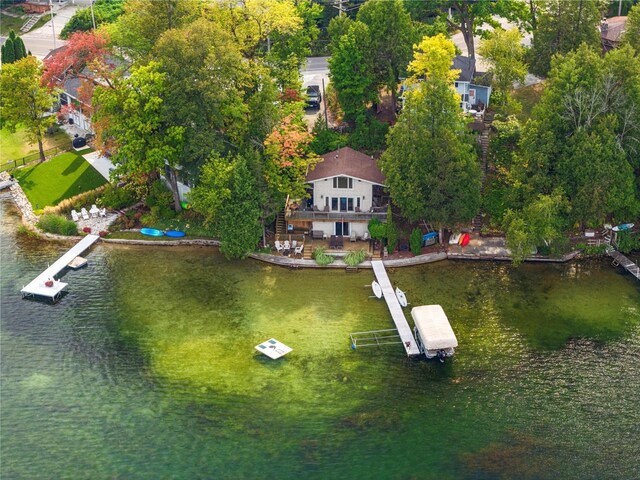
(29, 219)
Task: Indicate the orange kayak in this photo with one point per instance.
(464, 240)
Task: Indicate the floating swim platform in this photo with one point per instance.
(273, 349)
(151, 232)
(174, 233)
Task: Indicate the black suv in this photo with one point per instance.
(313, 96)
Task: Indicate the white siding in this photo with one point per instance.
(329, 228)
(323, 189)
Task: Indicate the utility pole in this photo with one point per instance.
(619, 7)
(93, 18)
(340, 6)
(324, 103)
(53, 29)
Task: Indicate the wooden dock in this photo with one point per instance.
(404, 330)
(620, 259)
(45, 284)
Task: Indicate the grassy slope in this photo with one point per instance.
(16, 145)
(61, 177)
(528, 97)
(8, 23)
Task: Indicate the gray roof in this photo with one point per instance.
(467, 67)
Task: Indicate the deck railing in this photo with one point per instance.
(335, 216)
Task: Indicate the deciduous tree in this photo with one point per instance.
(504, 52)
(25, 102)
(541, 222)
(433, 58)
(289, 157)
(135, 122)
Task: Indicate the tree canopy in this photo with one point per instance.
(561, 26)
(431, 166)
(25, 102)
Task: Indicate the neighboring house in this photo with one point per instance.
(611, 30)
(473, 98)
(346, 191)
(182, 181)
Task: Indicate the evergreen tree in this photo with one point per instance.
(561, 26)
(238, 223)
(351, 69)
(19, 48)
(8, 52)
(431, 166)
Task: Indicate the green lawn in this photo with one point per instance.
(16, 145)
(8, 23)
(61, 177)
(528, 97)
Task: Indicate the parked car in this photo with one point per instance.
(313, 96)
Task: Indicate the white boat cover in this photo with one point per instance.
(434, 328)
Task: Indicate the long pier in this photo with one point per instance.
(404, 330)
(38, 286)
(620, 259)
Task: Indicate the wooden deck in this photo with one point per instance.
(404, 330)
(620, 259)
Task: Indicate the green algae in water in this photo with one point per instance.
(147, 369)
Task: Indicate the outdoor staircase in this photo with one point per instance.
(484, 146)
(28, 25)
(281, 224)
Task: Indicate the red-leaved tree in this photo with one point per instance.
(84, 49)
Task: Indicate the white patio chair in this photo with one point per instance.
(84, 213)
(94, 211)
(278, 246)
(75, 216)
(352, 237)
(298, 250)
(294, 243)
(287, 245)
(365, 235)
(103, 212)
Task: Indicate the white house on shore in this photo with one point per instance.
(346, 191)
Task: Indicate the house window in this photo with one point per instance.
(456, 84)
(342, 228)
(342, 182)
(358, 202)
(334, 203)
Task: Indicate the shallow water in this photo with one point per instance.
(146, 369)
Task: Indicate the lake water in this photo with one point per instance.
(147, 370)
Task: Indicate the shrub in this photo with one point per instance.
(354, 258)
(103, 233)
(392, 232)
(322, 258)
(76, 202)
(326, 140)
(415, 241)
(592, 249)
(86, 229)
(57, 224)
(627, 242)
(117, 198)
(159, 195)
(377, 229)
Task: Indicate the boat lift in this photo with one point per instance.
(375, 338)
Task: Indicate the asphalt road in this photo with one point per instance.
(41, 41)
(313, 72)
